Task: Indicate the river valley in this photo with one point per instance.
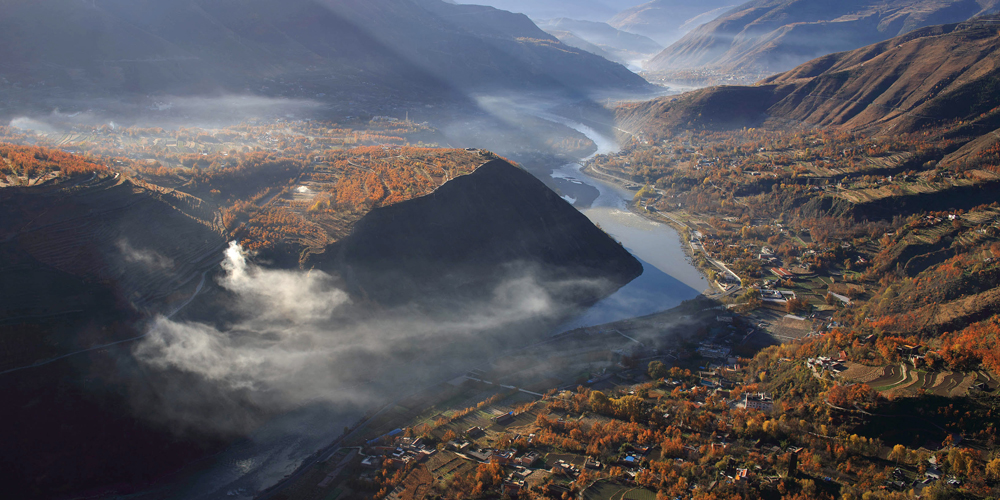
(285, 443)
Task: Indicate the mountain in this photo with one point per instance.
(427, 245)
(943, 79)
(91, 259)
(666, 21)
(574, 40)
(768, 36)
(619, 45)
(589, 10)
(355, 47)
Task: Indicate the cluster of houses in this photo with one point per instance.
(757, 400)
(399, 454)
(487, 455)
(713, 351)
(514, 481)
(826, 363)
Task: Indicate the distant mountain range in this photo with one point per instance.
(586, 10)
(945, 77)
(768, 36)
(666, 21)
(601, 39)
(360, 47)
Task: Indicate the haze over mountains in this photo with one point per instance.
(69, 48)
(945, 75)
(584, 10)
(663, 21)
(666, 21)
(601, 39)
(94, 264)
(768, 36)
(168, 289)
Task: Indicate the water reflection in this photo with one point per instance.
(668, 276)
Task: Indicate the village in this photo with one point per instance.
(520, 428)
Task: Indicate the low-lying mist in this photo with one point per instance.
(299, 339)
(169, 112)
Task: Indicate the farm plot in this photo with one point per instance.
(861, 373)
(604, 490)
(903, 380)
(892, 375)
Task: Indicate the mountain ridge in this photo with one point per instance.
(666, 21)
(769, 36)
(117, 252)
(925, 77)
(107, 47)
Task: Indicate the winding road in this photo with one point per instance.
(37, 364)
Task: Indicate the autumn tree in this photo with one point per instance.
(599, 402)
(795, 305)
(993, 470)
(657, 370)
(899, 453)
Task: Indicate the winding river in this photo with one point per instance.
(278, 448)
(668, 276)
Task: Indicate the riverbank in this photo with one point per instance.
(669, 281)
(704, 263)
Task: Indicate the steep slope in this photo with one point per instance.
(767, 36)
(935, 75)
(573, 40)
(621, 46)
(89, 259)
(508, 205)
(107, 47)
(932, 76)
(666, 21)
(83, 263)
(588, 10)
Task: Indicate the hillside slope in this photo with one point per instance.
(666, 21)
(89, 259)
(508, 205)
(609, 42)
(767, 36)
(932, 76)
(383, 47)
(894, 148)
(587, 10)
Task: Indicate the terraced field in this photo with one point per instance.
(861, 373)
(903, 380)
(446, 464)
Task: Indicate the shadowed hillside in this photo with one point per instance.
(90, 257)
(380, 49)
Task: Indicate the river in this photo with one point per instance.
(279, 447)
(668, 276)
